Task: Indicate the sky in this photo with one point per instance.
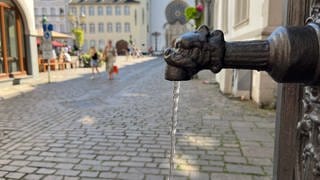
(158, 18)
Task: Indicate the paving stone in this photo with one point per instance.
(131, 176)
(91, 174)
(67, 172)
(52, 177)
(15, 175)
(3, 173)
(27, 170)
(154, 177)
(46, 171)
(244, 169)
(9, 168)
(33, 176)
(108, 175)
(230, 176)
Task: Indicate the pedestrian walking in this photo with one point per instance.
(94, 61)
(109, 55)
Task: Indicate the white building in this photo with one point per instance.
(56, 13)
(246, 20)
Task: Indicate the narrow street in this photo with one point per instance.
(78, 128)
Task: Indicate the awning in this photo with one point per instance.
(55, 34)
(54, 43)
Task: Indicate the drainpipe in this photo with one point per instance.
(208, 13)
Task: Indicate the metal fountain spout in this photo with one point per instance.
(290, 54)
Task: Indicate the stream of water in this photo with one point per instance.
(174, 121)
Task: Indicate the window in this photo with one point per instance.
(118, 27)
(36, 11)
(101, 27)
(85, 45)
(109, 27)
(109, 11)
(135, 17)
(127, 27)
(118, 11)
(44, 11)
(83, 10)
(92, 43)
(14, 61)
(91, 11)
(100, 11)
(142, 16)
(52, 11)
(101, 44)
(92, 28)
(61, 11)
(241, 12)
(62, 29)
(73, 11)
(126, 10)
(84, 27)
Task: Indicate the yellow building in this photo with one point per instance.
(124, 22)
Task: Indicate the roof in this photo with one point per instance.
(78, 2)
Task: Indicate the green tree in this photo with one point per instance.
(79, 35)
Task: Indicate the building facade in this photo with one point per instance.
(124, 22)
(18, 50)
(56, 13)
(246, 20)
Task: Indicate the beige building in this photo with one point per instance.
(18, 49)
(121, 21)
(246, 20)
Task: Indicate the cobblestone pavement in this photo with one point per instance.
(77, 128)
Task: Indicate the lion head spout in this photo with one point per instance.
(195, 51)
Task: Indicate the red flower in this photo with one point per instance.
(199, 7)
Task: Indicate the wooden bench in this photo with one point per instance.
(43, 64)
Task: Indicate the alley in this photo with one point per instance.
(78, 128)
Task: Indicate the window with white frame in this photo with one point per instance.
(84, 27)
(83, 10)
(44, 11)
(109, 27)
(118, 11)
(73, 11)
(92, 43)
(241, 12)
(62, 28)
(101, 44)
(36, 11)
(92, 28)
(109, 10)
(52, 11)
(91, 11)
(127, 27)
(100, 11)
(85, 45)
(135, 17)
(118, 27)
(100, 27)
(126, 10)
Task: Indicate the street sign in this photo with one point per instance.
(46, 41)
